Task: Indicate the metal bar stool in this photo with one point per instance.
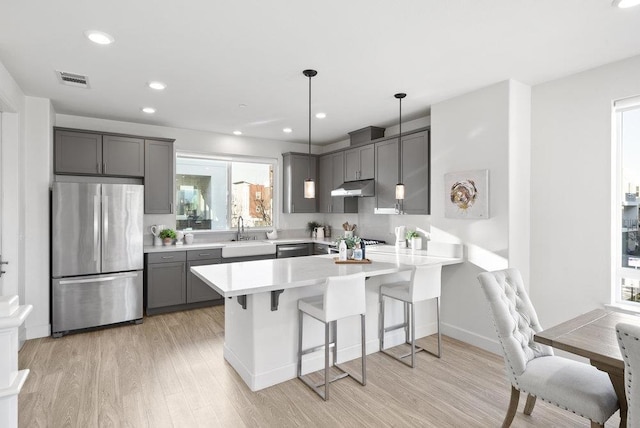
(425, 284)
(344, 296)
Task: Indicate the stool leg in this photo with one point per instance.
(364, 349)
(335, 341)
(299, 343)
(326, 360)
(413, 334)
(438, 319)
(406, 323)
(381, 322)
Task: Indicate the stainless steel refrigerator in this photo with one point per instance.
(97, 255)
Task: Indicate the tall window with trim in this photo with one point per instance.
(213, 193)
(627, 125)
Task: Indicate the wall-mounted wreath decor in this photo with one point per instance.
(466, 194)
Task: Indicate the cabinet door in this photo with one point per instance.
(386, 156)
(351, 165)
(197, 289)
(77, 153)
(297, 169)
(367, 162)
(325, 183)
(122, 156)
(337, 204)
(166, 284)
(158, 177)
(415, 173)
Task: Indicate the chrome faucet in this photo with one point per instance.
(240, 234)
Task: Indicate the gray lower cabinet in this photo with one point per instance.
(165, 279)
(197, 289)
(297, 167)
(94, 153)
(159, 181)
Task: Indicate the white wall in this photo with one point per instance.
(470, 132)
(571, 206)
(12, 105)
(37, 176)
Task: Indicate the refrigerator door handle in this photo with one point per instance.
(105, 221)
(96, 227)
(101, 279)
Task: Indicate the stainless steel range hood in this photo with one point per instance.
(355, 188)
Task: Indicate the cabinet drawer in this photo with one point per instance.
(167, 257)
(204, 254)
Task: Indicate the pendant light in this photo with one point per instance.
(309, 184)
(400, 187)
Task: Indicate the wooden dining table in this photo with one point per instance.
(593, 336)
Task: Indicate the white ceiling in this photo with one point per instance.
(216, 55)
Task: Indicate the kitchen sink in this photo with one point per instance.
(247, 248)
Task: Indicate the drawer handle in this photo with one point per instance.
(167, 257)
(204, 254)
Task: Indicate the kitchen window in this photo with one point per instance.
(627, 237)
(213, 192)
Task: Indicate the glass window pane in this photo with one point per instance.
(212, 194)
(629, 131)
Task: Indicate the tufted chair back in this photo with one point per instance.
(629, 342)
(515, 319)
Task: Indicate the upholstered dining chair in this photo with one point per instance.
(531, 367)
(629, 342)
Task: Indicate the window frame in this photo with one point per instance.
(618, 271)
(275, 191)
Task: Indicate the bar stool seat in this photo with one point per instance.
(425, 284)
(344, 296)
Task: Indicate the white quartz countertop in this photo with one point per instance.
(235, 279)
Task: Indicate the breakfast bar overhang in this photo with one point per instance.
(261, 327)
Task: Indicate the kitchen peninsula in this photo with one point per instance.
(261, 309)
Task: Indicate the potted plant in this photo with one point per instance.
(350, 242)
(415, 240)
(167, 236)
(311, 227)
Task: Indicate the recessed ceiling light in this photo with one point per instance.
(149, 110)
(99, 37)
(237, 132)
(321, 115)
(159, 86)
(242, 105)
(623, 4)
(287, 130)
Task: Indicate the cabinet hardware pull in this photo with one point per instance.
(204, 254)
(104, 167)
(167, 257)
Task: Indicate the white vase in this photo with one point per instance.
(416, 243)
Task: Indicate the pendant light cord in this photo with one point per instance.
(399, 143)
(309, 158)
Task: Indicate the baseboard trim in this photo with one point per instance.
(490, 345)
(37, 331)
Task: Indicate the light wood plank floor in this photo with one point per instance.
(170, 372)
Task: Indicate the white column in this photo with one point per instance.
(11, 379)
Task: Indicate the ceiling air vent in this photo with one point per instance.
(72, 79)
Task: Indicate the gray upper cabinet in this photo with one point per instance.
(386, 173)
(296, 169)
(88, 153)
(359, 163)
(331, 176)
(158, 177)
(416, 173)
(122, 156)
(77, 152)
